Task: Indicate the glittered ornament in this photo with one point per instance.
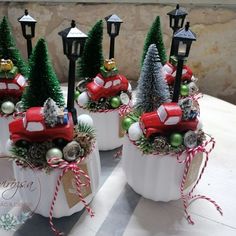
(115, 102)
(190, 139)
(126, 123)
(19, 106)
(72, 151)
(176, 140)
(83, 99)
(192, 88)
(184, 90)
(85, 119)
(135, 132)
(77, 93)
(7, 107)
(54, 153)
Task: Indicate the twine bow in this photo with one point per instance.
(78, 173)
(189, 197)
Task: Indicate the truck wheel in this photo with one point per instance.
(60, 142)
(22, 143)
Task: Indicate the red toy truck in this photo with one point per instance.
(12, 87)
(167, 119)
(169, 71)
(106, 87)
(32, 128)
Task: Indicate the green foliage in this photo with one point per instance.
(84, 128)
(92, 57)
(8, 48)
(154, 36)
(152, 88)
(43, 82)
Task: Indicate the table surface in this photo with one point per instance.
(120, 211)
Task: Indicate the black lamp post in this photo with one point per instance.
(73, 43)
(177, 17)
(113, 28)
(28, 29)
(182, 41)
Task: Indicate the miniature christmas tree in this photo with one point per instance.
(50, 111)
(154, 36)
(43, 82)
(152, 88)
(8, 48)
(92, 57)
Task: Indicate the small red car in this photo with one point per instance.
(12, 87)
(32, 128)
(166, 119)
(106, 87)
(169, 71)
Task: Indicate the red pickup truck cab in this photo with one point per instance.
(167, 119)
(106, 87)
(12, 87)
(169, 71)
(32, 128)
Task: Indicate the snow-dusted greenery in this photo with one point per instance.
(152, 88)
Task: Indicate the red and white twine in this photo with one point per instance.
(189, 197)
(78, 173)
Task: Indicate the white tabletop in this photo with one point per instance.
(150, 218)
(120, 211)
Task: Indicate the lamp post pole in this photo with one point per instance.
(28, 29)
(176, 17)
(113, 28)
(182, 41)
(177, 84)
(112, 47)
(73, 43)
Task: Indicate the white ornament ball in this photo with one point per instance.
(83, 99)
(9, 147)
(85, 119)
(135, 132)
(54, 153)
(8, 107)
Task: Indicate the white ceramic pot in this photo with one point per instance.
(107, 126)
(154, 177)
(47, 184)
(4, 133)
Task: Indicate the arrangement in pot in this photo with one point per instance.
(165, 151)
(63, 155)
(103, 92)
(13, 70)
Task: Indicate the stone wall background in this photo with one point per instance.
(212, 56)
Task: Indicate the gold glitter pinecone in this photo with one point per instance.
(85, 141)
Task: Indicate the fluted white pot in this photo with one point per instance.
(154, 177)
(47, 184)
(107, 126)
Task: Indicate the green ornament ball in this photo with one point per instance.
(176, 139)
(184, 90)
(54, 153)
(8, 107)
(115, 102)
(126, 123)
(77, 93)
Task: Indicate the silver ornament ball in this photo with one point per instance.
(54, 153)
(8, 107)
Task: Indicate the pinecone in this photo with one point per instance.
(85, 142)
(37, 151)
(160, 143)
(72, 151)
(200, 137)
